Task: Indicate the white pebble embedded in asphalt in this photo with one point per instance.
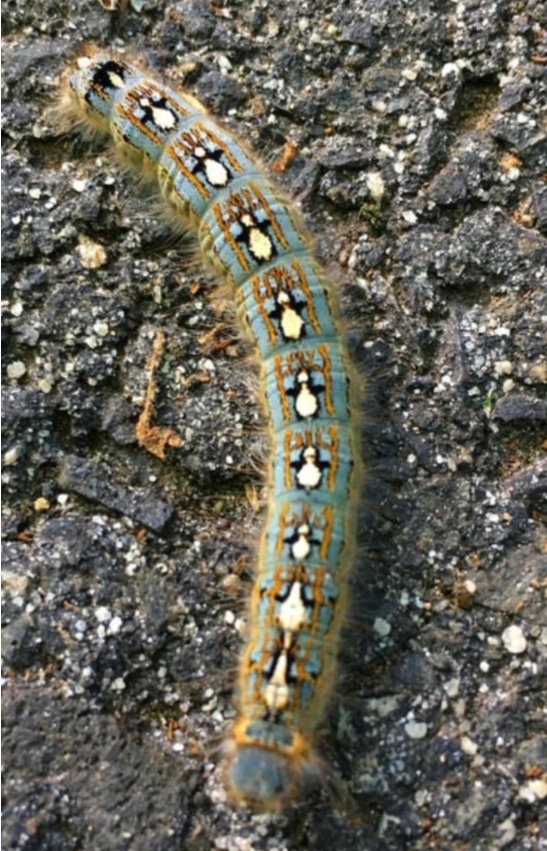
(514, 639)
(416, 729)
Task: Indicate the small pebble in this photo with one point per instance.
(92, 255)
(416, 729)
(410, 217)
(45, 385)
(103, 614)
(41, 504)
(452, 687)
(508, 832)
(101, 329)
(409, 74)
(376, 185)
(16, 369)
(79, 185)
(503, 367)
(468, 746)
(538, 788)
(379, 106)
(533, 790)
(514, 639)
(241, 627)
(381, 627)
(115, 625)
(11, 456)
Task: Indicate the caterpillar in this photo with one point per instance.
(250, 235)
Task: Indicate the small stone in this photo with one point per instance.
(532, 791)
(452, 687)
(514, 639)
(103, 614)
(421, 797)
(101, 329)
(92, 255)
(241, 627)
(381, 627)
(416, 729)
(115, 625)
(376, 185)
(379, 106)
(16, 369)
(538, 372)
(11, 456)
(41, 504)
(409, 74)
(79, 185)
(503, 367)
(538, 788)
(468, 746)
(45, 385)
(410, 217)
(508, 832)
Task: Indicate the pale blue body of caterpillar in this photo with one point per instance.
(249, 234)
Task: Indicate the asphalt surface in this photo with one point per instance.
(418, 161)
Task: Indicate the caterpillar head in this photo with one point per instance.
(268, 766)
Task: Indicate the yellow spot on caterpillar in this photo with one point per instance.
(260, 244)
(301, 548)
(217, 174)
(306, 403)
(162, 118)
(292, 614)
(115, 79)
(291, 322)
(276, 692)
(309, 476)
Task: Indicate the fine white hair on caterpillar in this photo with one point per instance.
(250, 235)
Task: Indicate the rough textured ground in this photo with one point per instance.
(421, 171)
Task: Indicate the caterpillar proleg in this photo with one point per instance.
(250, 235)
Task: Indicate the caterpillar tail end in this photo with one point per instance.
(269, 766)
